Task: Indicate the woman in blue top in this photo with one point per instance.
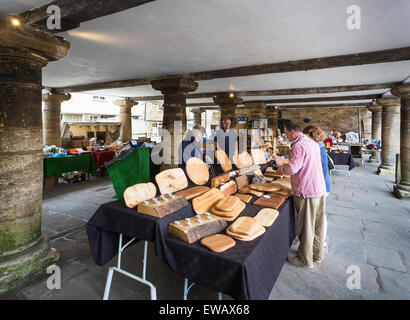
(317, 134)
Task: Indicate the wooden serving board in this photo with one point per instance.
(252, 169)
(223, 159)
(258, 156)
(197, 227)
(162, 208)
(285, 182)
(241, 237)
(171, 180)
(245, 226)
(206, 201)
(244, 197)
(220, 180)
(227, 204)
(229, 188)
(197, 171)
(252, 192)
(218, 242)
(192, 192)
(242, 181)
(267, 216)
(230, 216)
(272, 202)
(243, 160)
(282, 193)
(266, 187)
(139, 192)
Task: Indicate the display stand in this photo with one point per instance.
(118, 269)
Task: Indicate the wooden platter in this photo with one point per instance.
(258, 156)
(245, 226)
(229, 188)
(283, 193)
(162, 206)
(194, 228)
(206, 201)
(265, 187)
(241, 237)
(242, 181)
(267, 216)
(138, 193)
(227, 204)
(252, 192)
(218, 242)
(230, 216)
(223, 159)
(197, 171)
(171, 180)
(285, 182)
(243, 160)
(192, 192)
(271, 202)
(244, 197)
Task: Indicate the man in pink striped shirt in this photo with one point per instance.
(308, 186)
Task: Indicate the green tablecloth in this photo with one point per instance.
(59, 165)
(131, 169)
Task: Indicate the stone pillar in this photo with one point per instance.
(376, 129)
(174, 91)
(52, 118)
(257, 110)
(125, 118)
(197, 116)
(402, 190)
(24, 251)
(272, 114)
(228, 102)
(390, 134)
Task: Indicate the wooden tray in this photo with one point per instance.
(138, 193)
(230, 216)
(252, 192)
(255, 169)
(244, 197)
(227, 204)
(285, 182)
(171, 180)
(282, 193)
(272, 202)
(229, 188)
(266, 187)
(267, 216)
(197, 171)
(163, 207)
(260, 232)
(200, 226)
(192, 192)
(223, 159)
(242, 181)
(243, 160)
(206, 201)
(245, 226)
(218, 242)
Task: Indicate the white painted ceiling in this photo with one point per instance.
(182, 36)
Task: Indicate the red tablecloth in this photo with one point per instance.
(102, 156)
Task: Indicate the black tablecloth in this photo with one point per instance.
(342, 159)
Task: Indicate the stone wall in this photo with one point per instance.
(335, 119)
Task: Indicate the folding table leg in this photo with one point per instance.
(187, 288)
(108, 284)
(220, 296)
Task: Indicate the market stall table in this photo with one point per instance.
(100, 157)
(341, 159)
(59, 165)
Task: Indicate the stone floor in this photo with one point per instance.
(369, 231)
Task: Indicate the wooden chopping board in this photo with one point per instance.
(230, 216)
(227, 204)
(223, 159)
(285, 182)
(218, 242)
(250, 191)
(241, 237)
(229, 188)
(138, 193)
(258, 156)
(197, 171)
(245, 226)
(206, 201)
(244, 197)
(272, 202)
(283, 193)
(171, 180)
(266, 187)
(192, 192)
(243, 160)
(242, 181)
(267, 216)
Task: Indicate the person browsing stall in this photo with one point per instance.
(226, 139)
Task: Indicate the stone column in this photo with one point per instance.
(257, 110)
(228, 102)
(390, 134)
(174, 91)
(24, 251)
(402, 190)
(376, 129)
(52, 118)
(272, 114)
(197, 116)
(125, 118)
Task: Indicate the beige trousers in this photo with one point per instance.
(310, 227)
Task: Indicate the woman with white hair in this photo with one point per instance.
(191, 146)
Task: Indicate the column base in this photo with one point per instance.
(374, 159)
(384, 170)
(16, 269)
(402, 190)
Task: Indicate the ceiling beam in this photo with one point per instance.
(383, 56)
(334, 105)
(74, 12)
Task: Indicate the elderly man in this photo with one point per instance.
(308, 185)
